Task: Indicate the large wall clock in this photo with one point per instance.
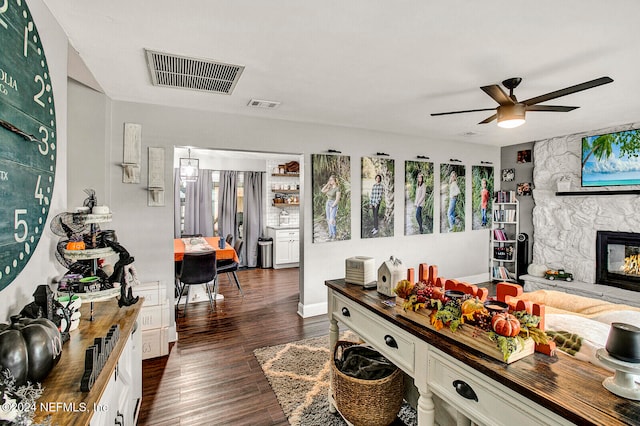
(27, 139)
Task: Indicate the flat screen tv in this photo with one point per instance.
(612, 159)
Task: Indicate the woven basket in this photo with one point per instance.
(366, 402)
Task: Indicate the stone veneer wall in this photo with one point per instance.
(565, 227)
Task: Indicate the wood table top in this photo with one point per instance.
(569, 387)
(62, 397)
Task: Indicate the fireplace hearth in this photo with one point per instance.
(618, 259)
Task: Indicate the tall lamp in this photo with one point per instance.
(189, 168)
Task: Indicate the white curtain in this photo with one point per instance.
(198, 212)
(252, 217)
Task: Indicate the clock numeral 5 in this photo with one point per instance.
(20, 223)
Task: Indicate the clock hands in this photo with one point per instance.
(14, 129)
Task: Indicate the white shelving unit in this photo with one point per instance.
(505, 228)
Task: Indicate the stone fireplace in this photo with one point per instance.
(565, 228)
(618, 259)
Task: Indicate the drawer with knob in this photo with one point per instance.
(481, 399)
(389, 340)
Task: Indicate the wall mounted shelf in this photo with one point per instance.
(286, 174)
(590, 193)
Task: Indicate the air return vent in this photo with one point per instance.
(190, 73)
(259, 103)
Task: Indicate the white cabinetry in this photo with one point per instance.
(286, 247)
(154, 319)
(479, 399)
(120, 401)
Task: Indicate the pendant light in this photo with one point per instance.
(189, 168)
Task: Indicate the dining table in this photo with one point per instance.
(201, 244)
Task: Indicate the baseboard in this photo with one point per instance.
(306, 311)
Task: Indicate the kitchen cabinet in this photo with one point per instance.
(286, 247)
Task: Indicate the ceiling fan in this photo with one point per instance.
(511, 112)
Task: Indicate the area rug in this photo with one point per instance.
(298, 373)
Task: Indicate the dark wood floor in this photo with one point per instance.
(210, 376)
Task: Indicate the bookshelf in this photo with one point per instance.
(503, 265)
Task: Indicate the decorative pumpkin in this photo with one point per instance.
(470, 306)
(76, 245)
(29, 348)
(505, 324)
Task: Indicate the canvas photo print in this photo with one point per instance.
(481, 196)
(331, 197)
(452, 199)
(419, 197)
(378, 201)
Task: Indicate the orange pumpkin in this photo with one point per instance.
(75, 245)
(505, 324)
(470, 306)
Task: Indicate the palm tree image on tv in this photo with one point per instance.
(611, 159)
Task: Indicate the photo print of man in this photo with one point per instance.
(377, 205)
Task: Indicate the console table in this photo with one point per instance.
(535, 390)
(117, 392)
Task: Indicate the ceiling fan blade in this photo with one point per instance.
(498, 94)
(551, 108)
(568, 90)
(489, 119)
(461, 112)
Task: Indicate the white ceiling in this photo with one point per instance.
(379, 65)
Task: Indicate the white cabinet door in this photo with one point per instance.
(286, 247)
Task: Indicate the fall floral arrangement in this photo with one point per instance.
(507, 329)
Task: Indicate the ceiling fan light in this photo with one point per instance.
(510, 116)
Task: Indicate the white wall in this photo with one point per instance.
(147, 231)
(42, 267)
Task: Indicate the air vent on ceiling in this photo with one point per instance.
(191, 73)
(258, 103)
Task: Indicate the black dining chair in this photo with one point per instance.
(230, 266)
(197, 268)
(229, 239)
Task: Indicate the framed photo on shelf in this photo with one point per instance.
(524, 156)
(524, 189)
(508, 175)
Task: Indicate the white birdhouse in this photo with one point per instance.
(389, 273)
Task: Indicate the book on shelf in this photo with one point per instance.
(499, 235)
(502, 273)
(504, 215)
(505, 196)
